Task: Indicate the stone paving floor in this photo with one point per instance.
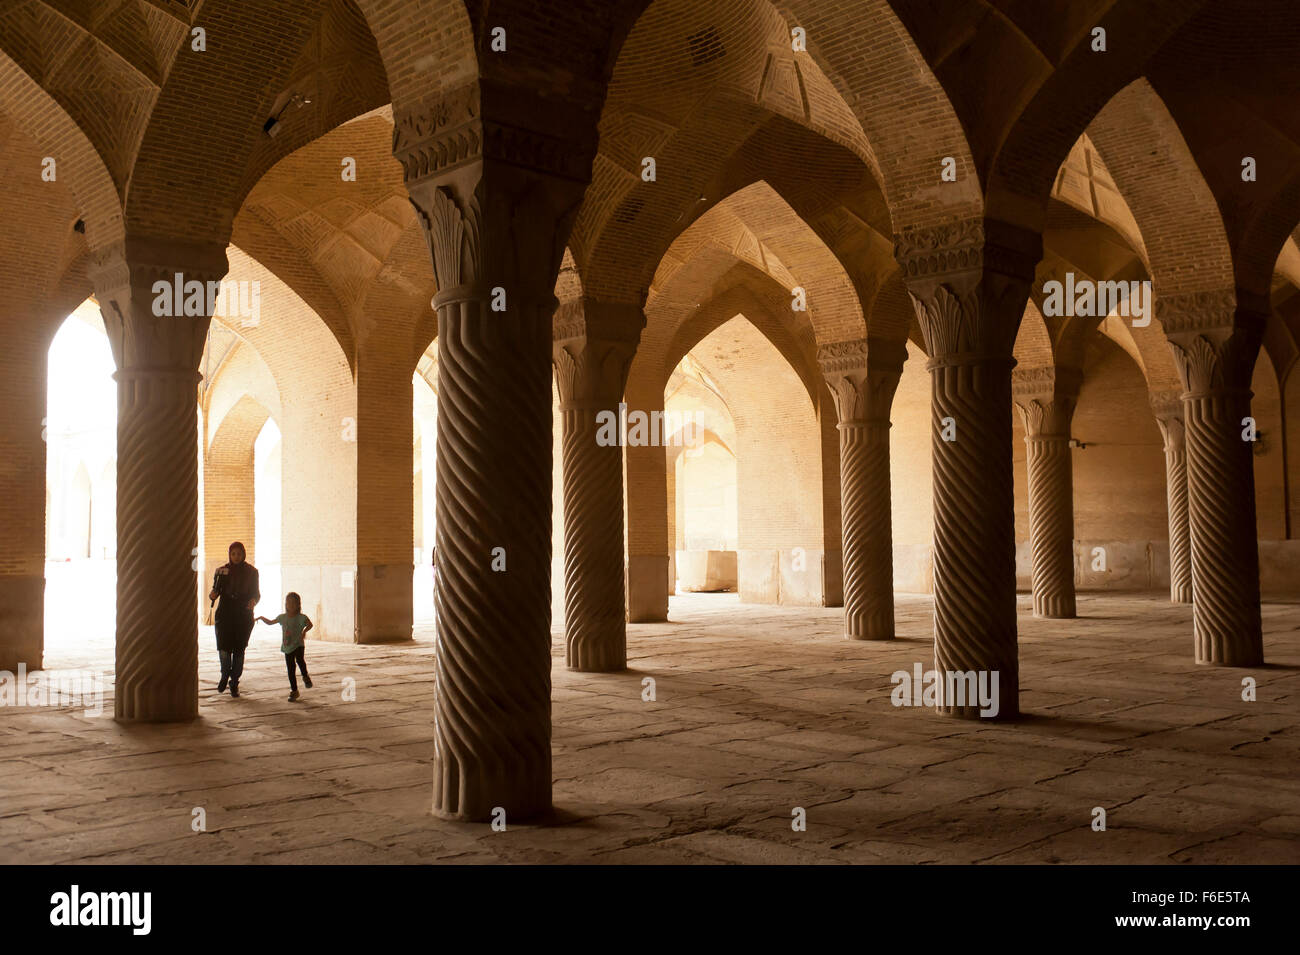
(758, 710)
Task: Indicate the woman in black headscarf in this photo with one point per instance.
(236, 583)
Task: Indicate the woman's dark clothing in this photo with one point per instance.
(235, 588)
(296, 656)
(232, 668)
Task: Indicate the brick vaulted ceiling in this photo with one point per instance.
(354, 246)
(156, 138)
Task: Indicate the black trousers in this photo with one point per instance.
(289, 660)
(232, 665)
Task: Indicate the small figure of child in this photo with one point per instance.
(294, 625)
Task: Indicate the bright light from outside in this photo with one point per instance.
(81, 477)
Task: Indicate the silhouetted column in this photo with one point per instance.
(863, 376)
(1215, 346)
(157, 353)
(496, 204)
(594, 345)
(23, 436)
(1045, 398)
(1168, 408)
(969, 295)
(832, 502)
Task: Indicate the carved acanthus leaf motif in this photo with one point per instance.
(592, 371)
(863, 376)
(453, 237)
(949, 321)
(1216, 361)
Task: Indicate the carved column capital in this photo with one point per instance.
(593, 346)
(1167, 406)
(941, 254)
(1183, 312)
(507, 233)
(157, 297)
(1214, 340)
(945, 252)
(862, 376)
(495, 198)
(1046, 398)
(1216, 361)
(481, 121)
(435, 137)
(969, 282)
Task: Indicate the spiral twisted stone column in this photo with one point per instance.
(1051, 525)
(1045, 398)
(157, 523)
(492, 720)
(1216, 362)
(595, 625)
(1169, 415)
(969, 290)
(590, 373)
(974, 537)
(492, 725)
(1221, 514)
(868, 541)
(496, 177)
(157, 348)
(863, 376)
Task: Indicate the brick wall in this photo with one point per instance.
(318, 421)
